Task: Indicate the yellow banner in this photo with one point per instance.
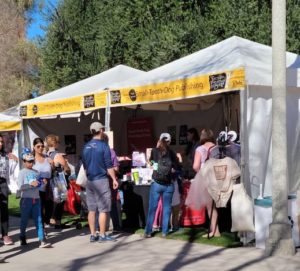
(64, 106)
(10, 126)
(180, 89)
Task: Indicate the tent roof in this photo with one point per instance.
(232, 53)
(9, 120)
(90, 85)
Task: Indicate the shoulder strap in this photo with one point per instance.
(52, 154)
(208, 152)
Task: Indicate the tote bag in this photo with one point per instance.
(82, 178)
(241, 210)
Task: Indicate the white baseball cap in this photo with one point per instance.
(165, 136)
(96, 127)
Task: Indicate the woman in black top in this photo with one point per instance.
(164, 162)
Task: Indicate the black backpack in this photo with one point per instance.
(165, 163)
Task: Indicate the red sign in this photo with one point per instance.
(139, 135)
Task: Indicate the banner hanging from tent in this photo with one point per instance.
(64, 106)
(189, 87)
(10, 126)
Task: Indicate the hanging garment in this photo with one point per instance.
(220, 175)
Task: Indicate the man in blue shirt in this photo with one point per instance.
(97, 162)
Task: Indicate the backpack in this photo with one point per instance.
(163, 172)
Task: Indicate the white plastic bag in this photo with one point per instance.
(82, 178)
(241, 210)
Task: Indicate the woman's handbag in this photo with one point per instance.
(241, 210)
(82, 178)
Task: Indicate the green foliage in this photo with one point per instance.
(88, 37)
(13, 205)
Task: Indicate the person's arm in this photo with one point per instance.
(12, 157)
(109, 165)
(197, 161)
(62, 161)
(112, 174)
(114, 160)
(24, 186)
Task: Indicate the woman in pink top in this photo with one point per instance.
(201, 155)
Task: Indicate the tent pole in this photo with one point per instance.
(107, 111)
(245, 179)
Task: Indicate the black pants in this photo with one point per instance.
(46, 207)
(4, 192)
(58, 210)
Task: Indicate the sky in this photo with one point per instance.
(34, 30)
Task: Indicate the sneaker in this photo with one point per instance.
(44, 244)
(147, 235)
(7, 241)
(106, 238)
(2, 260)
(23, 241)
(164, 235)
(94, 238)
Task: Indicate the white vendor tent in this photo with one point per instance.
(10, 120)
(231, 65)
(70, 110)
(10, 126)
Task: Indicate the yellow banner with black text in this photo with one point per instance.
(180, 89)
(64, 106)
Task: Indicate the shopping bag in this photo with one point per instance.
(241, 210)
(82, 178)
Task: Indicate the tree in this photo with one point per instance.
(87, 37)
(18, 56)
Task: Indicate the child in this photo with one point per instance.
(30, 200)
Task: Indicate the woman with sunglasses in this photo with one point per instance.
(4, 191)
(43, 165)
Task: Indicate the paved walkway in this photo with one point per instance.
(72, 251)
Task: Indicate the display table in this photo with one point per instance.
(263, 218)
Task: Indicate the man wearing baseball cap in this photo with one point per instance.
(97, 162)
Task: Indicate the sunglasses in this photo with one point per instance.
(39, 146)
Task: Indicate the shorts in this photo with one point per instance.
(98, 196)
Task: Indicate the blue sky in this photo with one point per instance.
(34, 30)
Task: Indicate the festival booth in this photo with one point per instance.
(227, 85)
(69, 111)
(10, 128)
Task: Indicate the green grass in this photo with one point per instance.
(194, 235)
(185, 234)
(14, 210)
(13, 205)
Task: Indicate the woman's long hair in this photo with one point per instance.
(36, 141)
(2, 151)
(162, 146)
(51, 141)
(206, 135)
(195, 138)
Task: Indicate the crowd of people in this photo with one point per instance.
(43, 180)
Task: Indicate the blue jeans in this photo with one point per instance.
(157, 190)
(31, 208)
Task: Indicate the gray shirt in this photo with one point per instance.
(26, 176)
(44, 170)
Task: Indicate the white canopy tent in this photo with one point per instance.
(193, 76)
(10, 120)
(71, 109)
(10, 126)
